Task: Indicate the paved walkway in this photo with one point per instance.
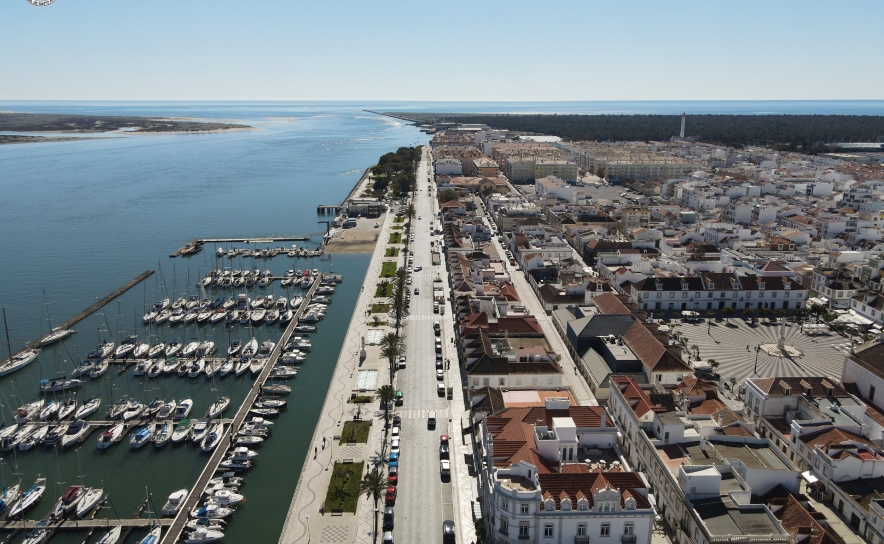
(304, 522)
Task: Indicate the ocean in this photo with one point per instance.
(81, 218)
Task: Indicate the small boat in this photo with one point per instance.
(117, 409)
(55, 434)
(134, 410)
(242, 367)
(196, 368)
(167, 411)
(235, 348)
(175, 502)
(83, 368)
(99, 369)
(249, 440)
(276, 389)
(200, 430)
(163, 435)
(230, 464)
(173, 348)
(62, 384)
(153, 537)
(258, 315)
(190, 349)
(286, 317)
(215, 524)
(182, 431)
(183, 409)
(156, 350)
(305, 328)
(250, 349)
(218, 407)
(29, 498)
(206, 349)
(89, 407)
(211, 511)
(126, 347)
(213, 367)
(228, 479)
(111, 436)
(67, 502)
(257, 365)
(142, 436)
(225, 497)
(283, 372)
(34, 438)
(227, 367)
(112, 536)
(91, 498)
(266, 349)
(29, 411)
(39, 534)
(75, 433)
(271, 403)
(68, 407)
(156, 368)
(241, 453)
(171, 365)
(140, 350)
(50, 410)
(213, 438)
(141, 367)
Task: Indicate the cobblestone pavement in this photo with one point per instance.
(821, 355)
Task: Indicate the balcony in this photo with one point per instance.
(627, 539)
(504, 531)
(583, 539)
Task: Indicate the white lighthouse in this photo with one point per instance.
(681, 133)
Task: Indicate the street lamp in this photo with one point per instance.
(755, 370)
(308, 529)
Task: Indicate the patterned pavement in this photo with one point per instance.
(821, 355)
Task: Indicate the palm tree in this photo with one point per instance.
(398, 299)
(373, 485)
(392, 347)
(386, 394)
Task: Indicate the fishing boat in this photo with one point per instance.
(112, 536)
(225, 497)
(50, 410)
(173, 348)
(218, 407)
(276, 389)
(190, 349)
(126, 347)
(84, 368)
(140, 350)
(29, 411)
(91, 498)
(175, 502)
(167, 410)
(196, 368)
(211, 511)
(75, 433)
(60, 384)
(55, 434)
(99, 369)
(29, 498)
(89, 407)
(67, 502)
(134, 410)
(211, 441)
(227, 367)
(111, 436)
(34, 438)
(18, 361)
(156, 350)
(257, 365)
(250, 349)
(200, 430)
(182, 431)
(183, 409)
(163, 435)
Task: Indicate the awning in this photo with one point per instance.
(809, 478)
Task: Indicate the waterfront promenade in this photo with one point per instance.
(304, 521)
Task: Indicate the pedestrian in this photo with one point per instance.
(315, 451)
(747, 349)
(575, 370)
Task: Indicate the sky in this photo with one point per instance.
(490, 50)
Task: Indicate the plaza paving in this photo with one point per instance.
(821, 355)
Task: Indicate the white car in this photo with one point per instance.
(394, 432)
(394, 446)
(418, 268)
(440, 374)
(445, 467)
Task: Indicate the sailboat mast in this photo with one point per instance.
(8, 345)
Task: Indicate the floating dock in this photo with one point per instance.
(196, 245)
(220, 452)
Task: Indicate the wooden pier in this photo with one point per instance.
(196, 492)
(322, 208)
(196, 245)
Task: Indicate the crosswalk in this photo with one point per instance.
(413, 413)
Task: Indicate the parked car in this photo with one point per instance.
(398, 400)
(394, 432)
(417, 290)
(440, 374)
(388, 518)
(448, 531)
(444, 469)
(443, 451)
(440, 389)
(397, 420)
(390, 499)
(393, 475)
(443, 439)
(388, 537)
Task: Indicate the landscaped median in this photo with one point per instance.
(392, 252)
(355, 431)
(396, 238)
(384, 290)
(380, 308)
(343, 489)
(388, 269)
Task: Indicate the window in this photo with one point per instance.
(549, 381)
(606, 529)
(581, 529)
(629, 528)
(523, 508)
(523, 528)
(504, 504)
(501, 381)
(486, 381)
(504, 525)
(548, 530)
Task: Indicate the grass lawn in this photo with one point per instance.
(388, 269)
(396, 227)
(392, 252)
(355, 430)
(343, 489)
(396, 238)
(385, 290)
(398, 219)
(380, 308)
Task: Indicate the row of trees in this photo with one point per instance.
(804, 133)
(396, 171)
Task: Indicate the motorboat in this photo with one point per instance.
(258, 302)
(62, 384)
(257, 365)
(242, 367)
(134, 410)
(227, 479)
(75, 433)
(34, 438)
(156, 350)
(182, 431)
(286, 317)
(55, 434)
(206, 349)
(296, 302)
(212, 524)
(305, 328)
(50, 410)
(255, 430)
(292, 357)
(55, 335)
(241, 453)
(99, 369)
(142, 436)
(250, 349)
(84, 368)
(225, 497)
(282, 303)
(276, 389)
(283, 372)
(29, 498)
(67, 502)
(211, 441)
(175, 502)
(163, 435)
(200, 430)
(171, 365)
(92, 497)
(29, 411)
(266, 349)
(230, 464)
(196, 368)
(270, 403)
(173, 348)
(89, 407)
(112, 536)
(155, 406)
(183, 409)
(167, 411)
(299, 342)
(218, 407)
(212, 511)
(140, 350)
(235, 348)
(268, 301)
(111, 436)
(227, 367)
(258, 315)
(126, 347)
(190, 349)
(213, 367)
(68, 407)
(271, 316)
(249, 440)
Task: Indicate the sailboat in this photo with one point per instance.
(9, 495)
(156, 530)
(56, 334)
(20, 359)
(112, 536)
(29, 498)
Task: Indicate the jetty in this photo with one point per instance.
(196, 245)
(196, 491)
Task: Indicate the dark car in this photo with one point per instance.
(443, 451)
(397, 421)
(388, 518)
(447, 531)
